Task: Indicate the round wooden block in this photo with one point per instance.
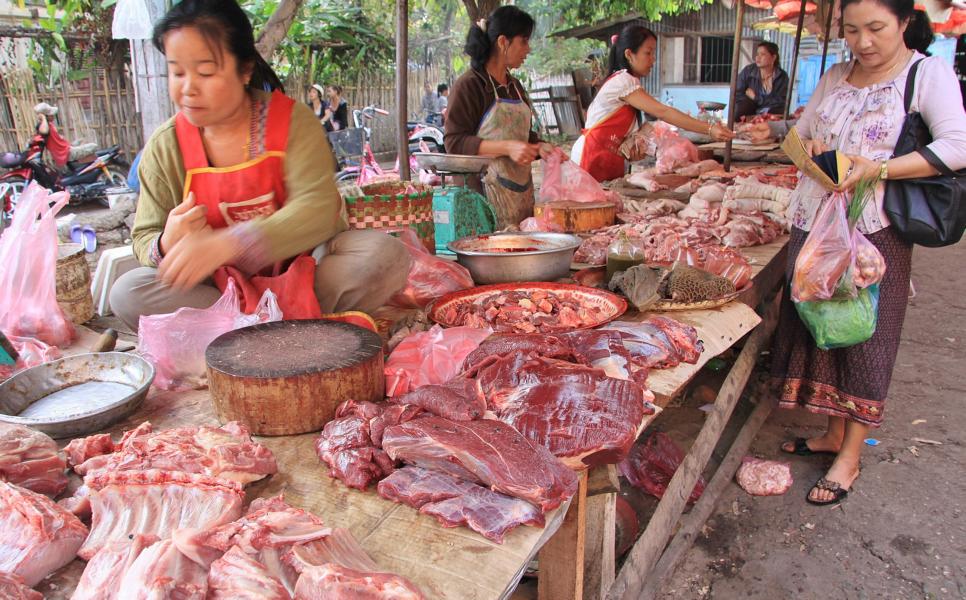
(578, 217)
(288, 377)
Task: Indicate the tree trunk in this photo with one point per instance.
(277, 28)
(480, 9)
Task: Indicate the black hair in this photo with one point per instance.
(919, 34)
(223, 23)
(441, 88)
(630, 38)
(336, 87)
(772, 48)
(508, 21)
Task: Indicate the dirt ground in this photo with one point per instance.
(902, 532)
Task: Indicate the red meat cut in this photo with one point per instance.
(456, 400)
(37, 536)
(330, 581)
(29, 459)
(153, 502)
(484, 451)
(455, 502)
(499, 345)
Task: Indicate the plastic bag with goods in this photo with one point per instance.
(563, 179)
(32, 352)
(728, 264)
(28, 270)
(429, 276)
(430, 357)
(826, 255)
(175, 343)
(651, 465)
(544, 223)
(673, 150)
(764, 477)
(842, 322)
(869, 266)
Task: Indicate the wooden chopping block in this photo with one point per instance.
(578, 217)
(288, 377)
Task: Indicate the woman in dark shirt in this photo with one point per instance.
(763, 86)
(337, 112)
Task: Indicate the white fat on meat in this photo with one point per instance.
(340, 547)
(238, 576)
(104, 572)
(29, 458)
(333, 581)
(161, 571)
(12, 587)
(157, 503)
(37, 536)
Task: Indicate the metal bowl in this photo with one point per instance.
(707, 105)
(76, 395)
(452, 163)
(512, 257)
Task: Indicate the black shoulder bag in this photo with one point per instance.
(929, 211)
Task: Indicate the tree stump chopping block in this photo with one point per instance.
(288, 377)
(578, 217)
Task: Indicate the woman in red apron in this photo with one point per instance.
(613, 115)
(240, 184)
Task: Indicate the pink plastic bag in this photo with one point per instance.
(764, 477)
(175, 343)
(826, 255)
(429, 277)
(673, 150)
(563, 179)
(32, 352)
(544, 222)
(430, 357)
(651, 465)
(28, 270)
(868, 265)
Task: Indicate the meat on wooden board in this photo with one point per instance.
(161, 571)
(103, 573)
(339, 547)
(29, 458)
(238, 576)
(37, 536)
(498, 345)
(12, 587)
(333, 581)
(659, 342)
(455, 502)
(457, 399)
(484, 451)
(225, 452)
(153, 502)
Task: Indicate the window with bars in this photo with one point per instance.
(693, 59)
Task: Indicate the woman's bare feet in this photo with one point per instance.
(826, 443)
(844, 472)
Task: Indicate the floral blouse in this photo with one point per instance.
(867, 121)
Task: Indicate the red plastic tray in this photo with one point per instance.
(613, 305)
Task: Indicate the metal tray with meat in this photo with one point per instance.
(528, 307)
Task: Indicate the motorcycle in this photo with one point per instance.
(86, 179)
(427, 133)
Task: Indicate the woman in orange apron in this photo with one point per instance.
(614, 113)
(489, 114)
(237, 184)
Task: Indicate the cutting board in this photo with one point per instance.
(578, 217)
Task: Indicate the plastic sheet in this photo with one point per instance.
(430, 357)
(28, 270)
(175, 343)
(563, 179)
(429, 277)
(32, 352)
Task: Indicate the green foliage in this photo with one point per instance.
(86, 22)
(574, 13)
(552, 56)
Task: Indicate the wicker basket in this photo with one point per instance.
(74, 284)
(387, 205)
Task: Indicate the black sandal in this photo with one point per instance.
(802, 449)
(838, 494)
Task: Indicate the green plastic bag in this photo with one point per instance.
(840, 323)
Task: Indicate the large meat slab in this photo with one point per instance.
(29, 459)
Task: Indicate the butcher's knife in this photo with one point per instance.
(8, 354)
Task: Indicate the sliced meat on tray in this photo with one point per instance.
(332, 581)
(499, 345)
(161, 571)
(484, 451)
(154, 502)
(12, 587)
(238, 576)
(103, 574)
(584, 417)
(226, 452)
(455, 502)
(457, 400)
(30, 459)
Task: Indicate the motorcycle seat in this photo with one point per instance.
(12, 160)
(109, 150)
(411, 126)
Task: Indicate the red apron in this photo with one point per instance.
(252, 189)
(601, 156)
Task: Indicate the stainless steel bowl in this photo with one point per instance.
(708, 105)
(76, 395)
(452, 163)
(511, 257)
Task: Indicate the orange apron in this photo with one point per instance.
(601, 156)
(250, 190)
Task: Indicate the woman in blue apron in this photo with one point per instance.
(490, 114)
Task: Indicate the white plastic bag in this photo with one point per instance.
(131, 21)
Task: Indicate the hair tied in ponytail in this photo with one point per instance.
(613, 39)
(482, 25)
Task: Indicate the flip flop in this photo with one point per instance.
(802, 449)
(90, 238)
(838, 494)
(76, 234)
